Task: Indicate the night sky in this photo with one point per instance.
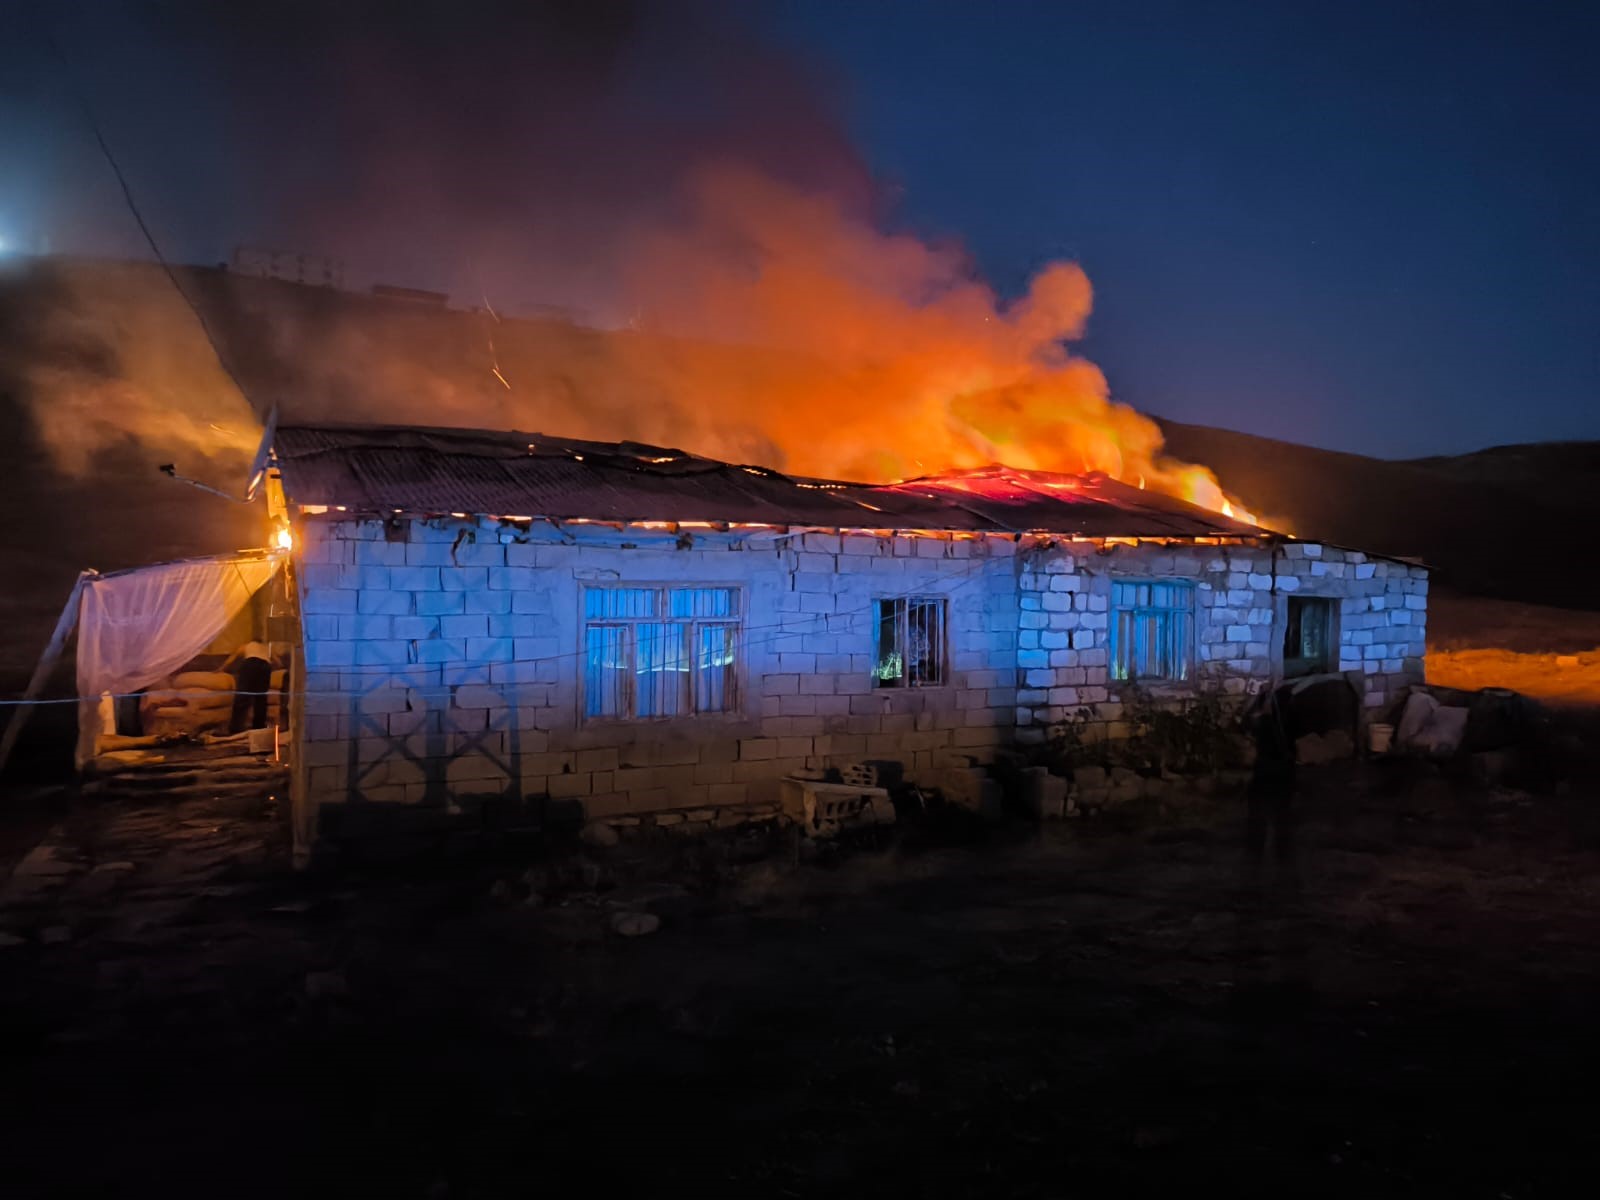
(1373, 227)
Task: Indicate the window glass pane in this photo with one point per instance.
(1308, 636)
(714, 678)
(662, 669)
(924, 648)
(909, 643)
(1122, 645)
(703, 602)
(1151, 629)
(605, 671)
(612, 603)
(1315, 625)
(888, 668)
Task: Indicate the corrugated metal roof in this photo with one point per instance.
(380, 469)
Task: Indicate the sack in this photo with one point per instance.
(1419, 709)
(1442, 735)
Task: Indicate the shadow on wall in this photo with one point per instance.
(446, 805)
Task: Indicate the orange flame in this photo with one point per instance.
(880, 351)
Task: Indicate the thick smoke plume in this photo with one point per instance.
(675, 179)
(890, 356)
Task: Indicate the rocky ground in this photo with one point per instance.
(1111, 1005)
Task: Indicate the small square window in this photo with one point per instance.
(1308, 637)
(1152, 624)
(910, 643)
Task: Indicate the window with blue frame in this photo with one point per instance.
(1152, 629)
(660, 651)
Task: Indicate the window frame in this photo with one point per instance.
(1185, 612)
(902, 632)
(733, 706)
(1328, 664)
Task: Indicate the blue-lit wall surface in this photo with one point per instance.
(458, 662)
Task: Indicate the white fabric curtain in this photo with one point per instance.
(138, 626)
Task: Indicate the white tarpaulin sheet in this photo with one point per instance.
(135, 627)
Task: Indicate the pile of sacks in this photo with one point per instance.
(193, 703)
(1428, 727)
(1492, 719)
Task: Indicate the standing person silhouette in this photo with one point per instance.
(1272, 784)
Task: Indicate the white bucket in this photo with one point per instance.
(264, 741)
(1380, 737)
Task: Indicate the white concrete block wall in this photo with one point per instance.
(1241, 596)
(444, 656)
(446, 664)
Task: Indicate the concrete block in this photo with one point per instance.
(408, 579)
(441, 650)
(321, 655)
(412, 628)
(779, 685)
(456, 625)
(538, 602)
(462, 579)
(329, 600)
(758, 749)
(364, 627)
(480, 554)
(493, 603)
(1044, 796)
(437, 604)
(512, 579)
(380, 554)
(383, 653)
(488, 649)
(427, 554)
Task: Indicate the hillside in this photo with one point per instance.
(1496, 523)
(104, 376)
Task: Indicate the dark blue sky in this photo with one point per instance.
(1373, 227)
(1367, 226)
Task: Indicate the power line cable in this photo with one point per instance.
(394, 674)
(80, 97)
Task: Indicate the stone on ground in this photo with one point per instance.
(635, 924)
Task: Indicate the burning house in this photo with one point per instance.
(489, 621)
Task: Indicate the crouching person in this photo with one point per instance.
(252, 670)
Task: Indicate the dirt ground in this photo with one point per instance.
(1408, 1012)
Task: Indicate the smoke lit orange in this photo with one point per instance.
(886, 356)
(763, 324)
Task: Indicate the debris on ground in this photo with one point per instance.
(1016, 1000)
(634, 924)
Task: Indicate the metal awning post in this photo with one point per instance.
(65, 624)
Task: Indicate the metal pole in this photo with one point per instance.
(65, 624)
